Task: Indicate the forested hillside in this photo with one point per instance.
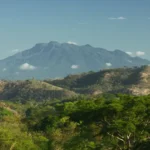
(79, 112)
(134, 81)
(29, 90)
(108, 122)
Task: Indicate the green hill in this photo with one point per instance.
(108, 121)
(32, 90)
(122, 80)
(134, 81)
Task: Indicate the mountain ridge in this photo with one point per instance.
(134, 81)
(131, 81)
(29, 90)
(53, 59)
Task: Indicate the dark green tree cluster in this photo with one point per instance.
(108, 122)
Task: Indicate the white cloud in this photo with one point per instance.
(27, 66)
(140, 53)
(129, 53)
(130, 61)
(117, 18)
(4, 69)
(108, 64)
(15, 50)
(121, 18)
(16, 73)
(70, 42)
(112, 18)
(74, 67)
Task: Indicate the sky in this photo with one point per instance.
(110, 24)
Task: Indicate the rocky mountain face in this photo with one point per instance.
(57, 60)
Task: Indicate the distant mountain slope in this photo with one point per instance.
(52, 60)
(134, 81)
(32, 90)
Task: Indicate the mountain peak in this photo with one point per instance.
(40, 44)
(53, 43)
(56, 59)
(87, 45)
(118, 51)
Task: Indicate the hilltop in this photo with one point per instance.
(32, 90)
(135, 80)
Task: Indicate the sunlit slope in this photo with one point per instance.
(33, 90)
(122, 80)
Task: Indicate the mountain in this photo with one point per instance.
(56, 60)
(134, 81)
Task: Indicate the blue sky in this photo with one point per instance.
(110, 24)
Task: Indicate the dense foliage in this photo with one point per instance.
(116, 122)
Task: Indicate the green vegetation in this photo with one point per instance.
(134, 81)
(120, 80)
(106, 122)
(79, 112)
(28, 90)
